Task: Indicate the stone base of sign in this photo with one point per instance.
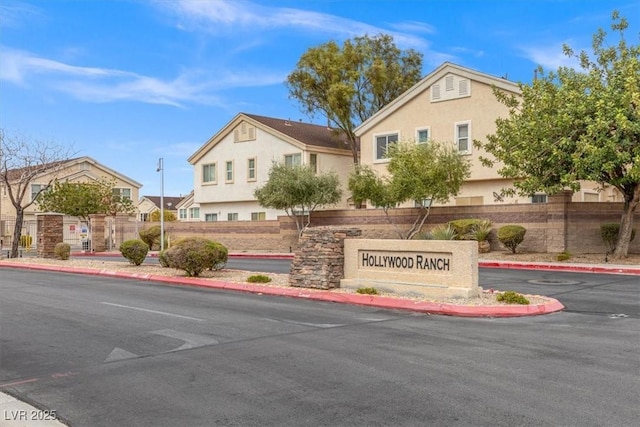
(413, 268)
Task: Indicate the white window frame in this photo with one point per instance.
(376, 158)
(313, 164)
(121, 192)
(292, 157)
(457, 139)
(539, 198)
(232, 216)
(423, 129)
(211, 217)
(196, 211)
(228, 172)
(182, 213)
(252, 171)
(214, 178)
(258, 216)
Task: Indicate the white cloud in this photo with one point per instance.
(108, 85)
(16, 14)
(550, 57)
(234, 15)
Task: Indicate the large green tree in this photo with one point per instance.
(573, 125)
(349, 84)
(298, 191)
(424, 173)
(82, 199)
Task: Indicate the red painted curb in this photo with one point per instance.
(319, 295)
(578, 268)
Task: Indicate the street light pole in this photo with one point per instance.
(161, 170)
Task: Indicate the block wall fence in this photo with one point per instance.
(551, 227)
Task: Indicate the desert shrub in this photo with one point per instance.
(422, 235)
(609, 233)
(511, 236)
(258, 278)
(511, 297)
(26, 241)
(563, 256)
(62, 251)
(150, 235)
(464, 228)
(162, 258)
(221, 255)
(196, 254)
(367, 291)
(443, 232)
(481, 230)
(134, 250)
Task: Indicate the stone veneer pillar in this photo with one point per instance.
(319, 260)
(557, 224)
(49, 234)
(98, 243)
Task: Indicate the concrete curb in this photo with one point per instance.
(551, 306)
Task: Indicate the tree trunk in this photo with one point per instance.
(17, 231)
(626, 224)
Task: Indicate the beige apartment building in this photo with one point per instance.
(456, 105)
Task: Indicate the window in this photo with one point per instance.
(36, 189)
(209, 173)
(251, 169)
(292, 159)
(258, 216)
(422, 135)
(469, 201)
(313, 162)
(182, 213)
(462, 137)
(228, 171)
(122, 193)
(539, 198)
(382, 144)
(144, 217)
(211, 217)
(194, 213)
(591, 197)
(232, 216)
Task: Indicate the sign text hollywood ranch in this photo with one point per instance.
(406, 261)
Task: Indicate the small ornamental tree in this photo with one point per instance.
(195, 255)
(423, 173)
(134, 250)
(168, 216)
(298, 191)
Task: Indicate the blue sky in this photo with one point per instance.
(129, 81)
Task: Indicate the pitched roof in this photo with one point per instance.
(426, 82)
(296, 133)
(61, 165)
(170, 202)
(307, 133)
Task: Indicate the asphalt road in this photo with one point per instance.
(105, 352)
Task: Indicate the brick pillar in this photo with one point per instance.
(97, 232)
(49, 234)
(319, 260)
(557, 226)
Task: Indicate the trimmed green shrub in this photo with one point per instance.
(367, 291)
(162, 258)
(134, 250)
(196, 254)
(26, 241)
(258, 278)
(151, 236)
(464, 227)
(443, 232)
(511, 297)
(511, 236)
(563, 256)
(609, 233)
(221, 255)
(62, 251)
